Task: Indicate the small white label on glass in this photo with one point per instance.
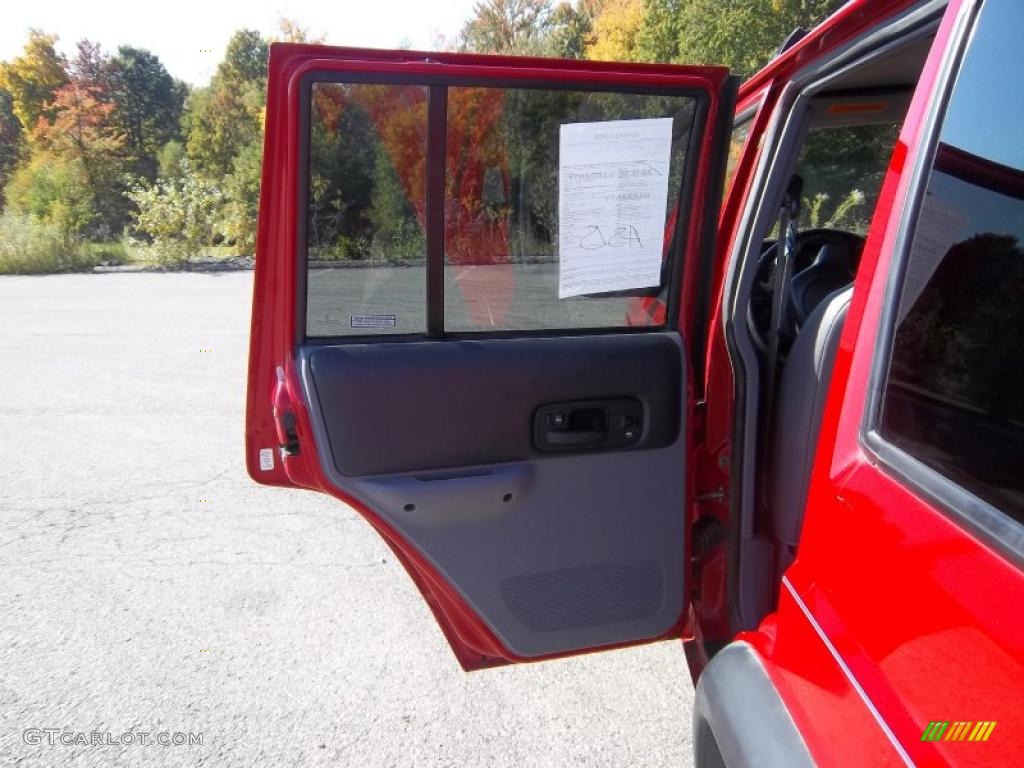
(372, 321)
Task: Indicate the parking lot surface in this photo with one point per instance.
(150, 586)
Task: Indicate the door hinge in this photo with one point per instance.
(288, 433)
(284, 416)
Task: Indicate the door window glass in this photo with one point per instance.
(504, 237)
(954, 395)
(365, 247)
(559, 207)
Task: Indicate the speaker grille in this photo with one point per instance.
(586, 596)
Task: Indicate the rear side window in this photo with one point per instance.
(954, 394)
(559, 207)
(366, 199)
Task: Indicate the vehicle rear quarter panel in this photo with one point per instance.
(918, 618)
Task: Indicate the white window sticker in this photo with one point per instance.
(372, 321)
(266, 459)
(612, 191)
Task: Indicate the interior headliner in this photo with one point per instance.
(899, 68)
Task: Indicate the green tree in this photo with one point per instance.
(54, 191)
(224, 118)
(396, 231)
(225, 131)
(10, 141)
(148, 106)
(242, 195)
(178, 215)
(172, 160)
(507, 26)
(245, 60)
(572, 28)
(742, 34)
(658, 38)
(32, 78)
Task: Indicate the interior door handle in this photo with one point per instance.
(614, 423)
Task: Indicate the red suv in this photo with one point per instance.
(613, 353)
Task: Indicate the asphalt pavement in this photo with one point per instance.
(148, 586)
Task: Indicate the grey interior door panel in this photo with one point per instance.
(556, 550)
(442, 404)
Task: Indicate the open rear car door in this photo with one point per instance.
(449, 247)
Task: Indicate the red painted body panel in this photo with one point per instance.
(893, 615)
(824, 704)
(758, 97)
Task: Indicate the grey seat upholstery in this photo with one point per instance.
(799, 405)
(829, 272)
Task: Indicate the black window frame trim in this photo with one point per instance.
(437, 84)
(980, 518)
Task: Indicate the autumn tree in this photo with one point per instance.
(92, 68)
(617, 30)
(32, 78)
(289, 31)
(84, 134)
(73, 177)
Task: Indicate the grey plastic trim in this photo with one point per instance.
(556, 553)
(738, 706)
(441, 405)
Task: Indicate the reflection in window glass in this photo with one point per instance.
(502, 205)
(504, 184)
(366, 203)
(954, 397)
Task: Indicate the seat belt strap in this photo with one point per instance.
(789, 216)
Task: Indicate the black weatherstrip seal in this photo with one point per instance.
(437, 141)
(709, 231)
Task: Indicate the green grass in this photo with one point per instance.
(28, 246)
(31, 247)
(111, 254)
